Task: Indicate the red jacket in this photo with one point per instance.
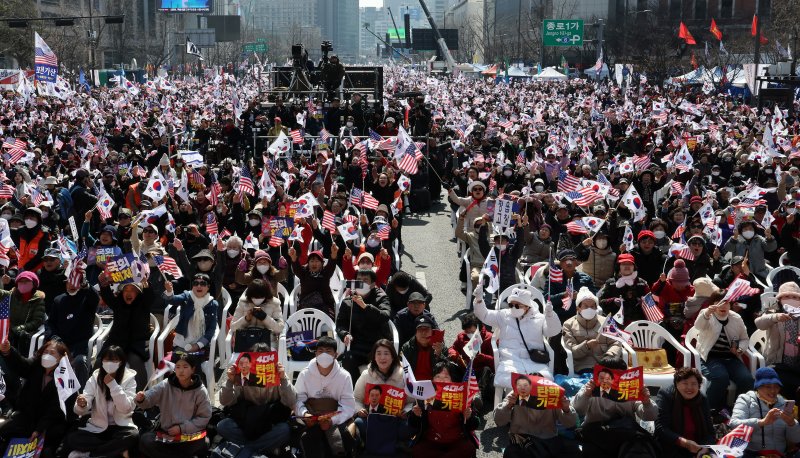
(668, 297)
(483, 359)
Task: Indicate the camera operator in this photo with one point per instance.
(420, 118)
(356, 109)
(332, 73)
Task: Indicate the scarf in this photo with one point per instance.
(197, 324)
(695, 406)
(628, 280)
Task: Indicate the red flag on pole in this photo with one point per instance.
(683, 32)
(763, 39)
(715, 30)
(754, 27)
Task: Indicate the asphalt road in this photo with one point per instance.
(430, 255)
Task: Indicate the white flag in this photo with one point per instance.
(192, 49)
(67, 383)
(633, 201)
(491, 269)
(280, 145)
(418, 390)
(627, 238)
(156, 187)
(348, 231)
(473, 347)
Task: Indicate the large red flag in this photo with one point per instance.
(763, 39)
(754, 27)
(715, 30)
(683, 32)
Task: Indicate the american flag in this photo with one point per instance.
(13, 143)
(168, 265)
(363, 199)
(472, 383)
(567, 182)
(5, 320)
(15, 155)
(196, 177)
(682, 251)
(583, 197)
(374, 136)
(329, 221)
(641, 162)
(650, 308)
(679, 231)
(408, 163)
(216, 188)
(739, 437)
(225, 234)
(87, 135)
(211, 223)
(324, 135)
(383, 231)
(363, 162)
(505, 124)
(246, 181)
(275, 241)
(45, 56)
(739, 287)
(350, 219)
(6, 191)
(566, 301)
(312, 110)
(577, 227)
(611, 190)
(297, 136)
(78, 269)
(58, 144)
(556, 275)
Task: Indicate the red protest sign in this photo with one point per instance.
(385, 399)
(537, 392)
(258, 369)
(618, 385)
(437, 336)
(450, 396)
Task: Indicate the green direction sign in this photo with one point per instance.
(397, 34)
(562, 32)
(261, 40)
(254, 47)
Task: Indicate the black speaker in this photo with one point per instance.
(407, 26)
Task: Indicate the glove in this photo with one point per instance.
(477, 294)
(548, 307)
(242, 265)
(282, 264)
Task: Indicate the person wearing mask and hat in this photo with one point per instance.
(366, 261)
(262, 269)
(673, 290)
(765, 410)
(52, 279)
(405, 319)
(722, 336)
(49, 217)
(597, 259)
(31, 240)
(362, 320)
(582, 334)
(782, 349)
(703, 264)
(649, 260)
(315, 290)
(229, 254)
(479, 229)
(130, 328)
(565, 292)
(507, 254)
(27, 310)
(524, 329)
(474, 204)
(745, 241)
(197, 319)
(538, 246)
(388, 128)
(259, 307)
(626, 289)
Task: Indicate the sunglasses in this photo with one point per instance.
(148, 231)
(696, 227)
(199, 283)
(516, 306)
(696, 243)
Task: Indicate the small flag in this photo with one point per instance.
(67, 383)
(383, 231)
(738, 288)
(297, 136)
(627, 238)
(363, 199)
(650, 308)
(683, 32)
(472, 382)
(192, 49)
(211, 224)
(715, 30)
(5, 320)
(679, 250)
(168, 265)
(423, 390)
(739, 437)
(556, 274)
(246, 181)
(329, 221)
(275, 241)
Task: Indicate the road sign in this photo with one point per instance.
(254, 47)
(562, 32)
(261, 40)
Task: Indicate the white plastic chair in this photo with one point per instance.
(774, 272)
(626, 352)
(309, 319)
(207, 366)
(470, 286)
(37, 340)
(227, 302)
(783, 260)
(758, 342)
(646, 334)
(99, 329)
(755, 359)
(150, 365)
(395, 336)
(396, 254)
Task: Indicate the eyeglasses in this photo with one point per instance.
(199, 283)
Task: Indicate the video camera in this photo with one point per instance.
(299, 56)
(326, 47)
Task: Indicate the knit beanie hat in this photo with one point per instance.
(679, 274)
(583, 294)
(30, 276)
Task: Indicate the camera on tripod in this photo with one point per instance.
(299, 56)
(326, 47)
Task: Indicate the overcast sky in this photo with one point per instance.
(370, 2)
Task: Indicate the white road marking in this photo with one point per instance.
(421, 279)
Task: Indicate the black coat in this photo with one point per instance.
(72, 319)
(649, 266)
(667, 433)
(51, 284)
(131, 326)
(367, 325)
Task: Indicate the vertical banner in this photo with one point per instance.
(45, 62)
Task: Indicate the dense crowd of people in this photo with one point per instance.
(150, 248)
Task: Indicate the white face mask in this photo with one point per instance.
(363, 291)
(232, 253)
(205, 266)
(469, 335)
(254, 222)
(659, 234)
(325, 360)
(257, 300)
(262, 268)
(7, 216)
(601, 243)
(538, 188)
(502, 247)
(45, 214)
(372, 243)
(110, 366)
(349, 124)
(716, 174)
(517, 313)
(30, 223)
(791, 211)
(508, 173)
(588, 314)
(402, 291)
(72, 293)
(789, 304)
(48, 361)
(748, 234)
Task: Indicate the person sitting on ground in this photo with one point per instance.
(405, 318)
(684, 421)
(108, 399)
(259, 415)
(610, 427)
(325, 403)
(765, 410)
(533, 432)
(185, 410)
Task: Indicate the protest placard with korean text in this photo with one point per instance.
(450, 397)
(537, 392)
(385, 399)
(618, 385)
(260, 369)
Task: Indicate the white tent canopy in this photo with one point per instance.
(516, 72)
(550, 73)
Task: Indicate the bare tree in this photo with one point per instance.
(17, 43)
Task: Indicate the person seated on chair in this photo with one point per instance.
(27, 310)
(405, 318)
(684, 419)
(443, 433)
(384, 368)
(782, 350)
(420, 352)
(524, 329)
(722, 338)
(765, 410)
(38, 410)
(610, 428)
(315, 276)
(198, 316)
(483, 361)
(131, 326)
(259, 415)
(71, 319)
(185, 410)
(262, 269)
(363, 319)
(108, 399)
(259, 308)
(400, 287)
(533, 432)
(325, 403)
(582, 334)
(626, 289)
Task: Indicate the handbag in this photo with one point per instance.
(247, 337)
(537, 356)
